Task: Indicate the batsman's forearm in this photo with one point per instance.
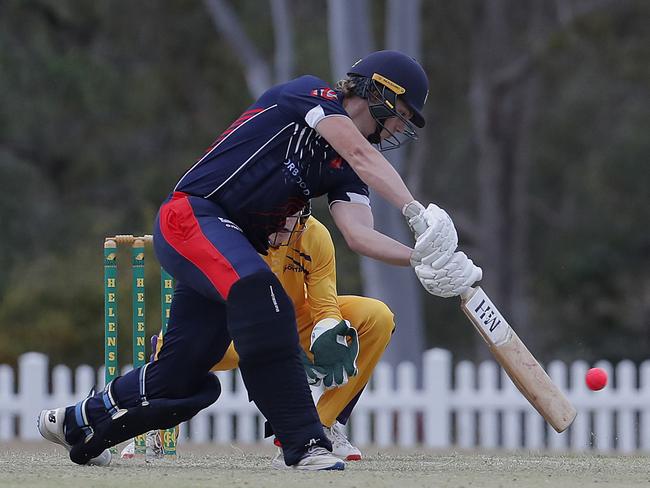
(376, 172)
(378, 246)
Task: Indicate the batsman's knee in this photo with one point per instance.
(176, 376)
(261, 319)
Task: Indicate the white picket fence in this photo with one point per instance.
(461, 405)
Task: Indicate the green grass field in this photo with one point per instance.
(43, 465)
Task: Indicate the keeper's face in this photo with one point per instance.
(293, 228)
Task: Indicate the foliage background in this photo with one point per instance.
(103, 105)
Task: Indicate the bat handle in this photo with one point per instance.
(419, 226)
(468, 294)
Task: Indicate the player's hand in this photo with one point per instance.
(451, 279)
(420, 218)
(436, 236)
(314, 377)
(335, 359)
(414, 214)
(154, 347)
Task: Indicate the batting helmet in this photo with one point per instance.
(399, 73)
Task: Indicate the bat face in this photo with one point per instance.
(482, 312)
(517, 361)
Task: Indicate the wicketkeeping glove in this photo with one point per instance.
(154, 347)
(314, 377)
(335, 360)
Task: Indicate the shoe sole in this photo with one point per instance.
(340, 466)
(46, 434)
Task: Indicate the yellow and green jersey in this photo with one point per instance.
(307, 270)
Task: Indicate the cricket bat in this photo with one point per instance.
(515, 358)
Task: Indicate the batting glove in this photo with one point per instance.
(453, 278)
(435, 234)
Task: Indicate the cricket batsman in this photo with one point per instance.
(299, 140)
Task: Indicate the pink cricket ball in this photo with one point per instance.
(596, 379)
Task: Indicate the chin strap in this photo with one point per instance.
(375, 137)
(362, 90)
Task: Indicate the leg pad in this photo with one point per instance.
(159, 413)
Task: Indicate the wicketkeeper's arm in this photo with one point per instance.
(320, 281)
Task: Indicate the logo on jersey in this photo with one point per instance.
(230, 224)
(292, 171)
(326, 93)
(336, 163)
(295, 266)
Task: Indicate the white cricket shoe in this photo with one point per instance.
(341, 446)
(316, 459)
(50, 425)
(154, 447)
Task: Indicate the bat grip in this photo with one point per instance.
(468, 294)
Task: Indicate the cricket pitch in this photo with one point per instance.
(41, 465)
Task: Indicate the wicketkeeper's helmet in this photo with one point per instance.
(293, 228)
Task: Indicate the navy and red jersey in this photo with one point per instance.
(271, 160)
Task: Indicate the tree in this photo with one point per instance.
(350, 38)
(258, 71)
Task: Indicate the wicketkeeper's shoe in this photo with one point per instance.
(50, 425)
(154, 447)
(341, 446)
(316, 459)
